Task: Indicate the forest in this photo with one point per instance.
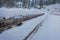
(26, 3)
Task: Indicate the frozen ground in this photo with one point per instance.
(50, 29)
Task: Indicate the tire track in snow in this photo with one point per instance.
(35, 29)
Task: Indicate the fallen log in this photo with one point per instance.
(8, 23)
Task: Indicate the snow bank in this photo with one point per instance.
(8, 12)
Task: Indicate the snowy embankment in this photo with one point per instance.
(11, 12)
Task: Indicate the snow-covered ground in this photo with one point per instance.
(10, 12)
(18, 33)
(50, 29)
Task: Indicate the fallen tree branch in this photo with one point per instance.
(8, 23)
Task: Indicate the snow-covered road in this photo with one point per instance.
(50, 29)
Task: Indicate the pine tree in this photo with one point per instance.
(41, 3)
(1, 3)
(28, 3)
(32, 4)
(9, 3)
(25, 3)
(54, 1)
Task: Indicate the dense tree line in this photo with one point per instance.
(26, 3)
(7, 3)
